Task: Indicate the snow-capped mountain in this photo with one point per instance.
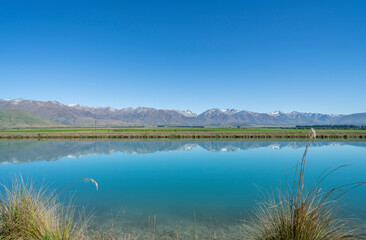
(81, 115)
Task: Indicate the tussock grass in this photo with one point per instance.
(300, 214)
(34, 213)
(30, 213)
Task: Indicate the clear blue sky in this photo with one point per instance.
(255, 55)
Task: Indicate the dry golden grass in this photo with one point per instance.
(30, 213)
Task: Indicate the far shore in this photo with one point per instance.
(179, 133)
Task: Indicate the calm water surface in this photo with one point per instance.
(184, 188)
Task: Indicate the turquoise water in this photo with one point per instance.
(184, 188)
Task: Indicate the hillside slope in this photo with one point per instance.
(19, 119)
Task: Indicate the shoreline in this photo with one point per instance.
(180, 134)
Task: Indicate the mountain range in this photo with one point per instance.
(80, 115)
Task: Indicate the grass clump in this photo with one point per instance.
(301, 214)
(30, 213)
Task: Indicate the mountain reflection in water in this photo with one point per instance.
(29, 151)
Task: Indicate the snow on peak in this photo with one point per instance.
(78, 106)
(230, 111)
(17, 101)
(111, 109)
(186, 113)
(227, 111)
(276, 113)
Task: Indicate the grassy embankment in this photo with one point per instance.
(193, 133)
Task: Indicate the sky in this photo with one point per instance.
(257, 55)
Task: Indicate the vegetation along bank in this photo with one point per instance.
(177, 133)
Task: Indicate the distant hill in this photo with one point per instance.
(354, 119)
(19, 119)
(79, 115)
